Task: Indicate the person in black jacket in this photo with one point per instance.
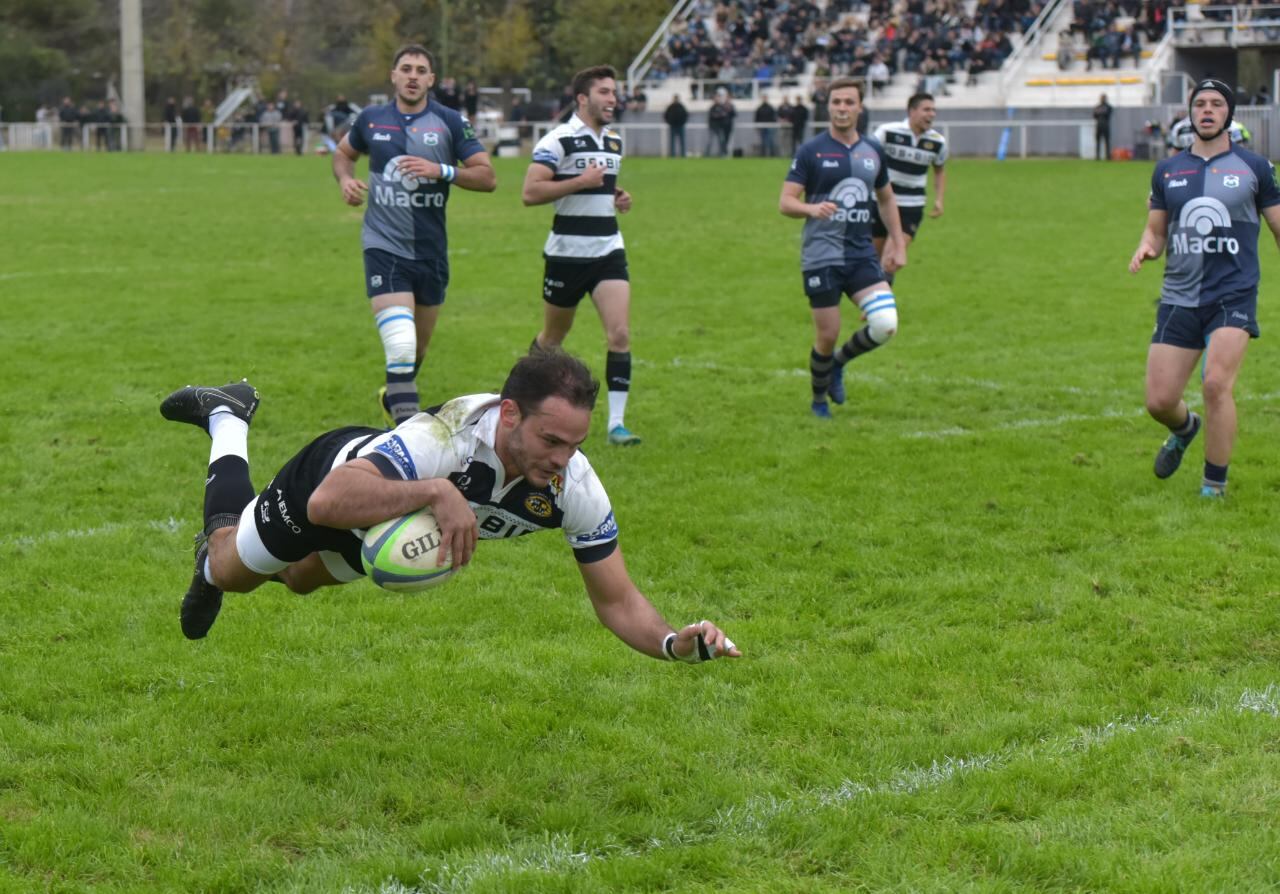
(676, 116)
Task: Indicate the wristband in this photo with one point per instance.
(668, 647)
(448, 172)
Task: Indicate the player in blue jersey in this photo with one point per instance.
(417, 148)
(830, 187)
(1205, 209)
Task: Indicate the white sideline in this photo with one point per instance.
(169, 525)
(558, 853)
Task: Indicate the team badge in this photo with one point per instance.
(612, 145)
(1231, 180)
(431, 138)
(868, 164)
(556, 484)
(538, 505)
(376, 280)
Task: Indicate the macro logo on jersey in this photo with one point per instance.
(1203, 215)
(407, 196)
(393, 174)
(848, 195)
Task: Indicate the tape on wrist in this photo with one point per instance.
(448, 172)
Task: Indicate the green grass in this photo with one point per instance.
(986, 649)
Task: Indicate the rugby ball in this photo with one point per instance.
(400, 554)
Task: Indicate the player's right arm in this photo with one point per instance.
(356, 495)
(792, 204)
(344, 171)
(1154, 236)
(541, 187)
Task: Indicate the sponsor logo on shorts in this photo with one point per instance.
(395, 450)
(538, 505)
(283, 508)
(376, 280)
(815, 281)
(1235, 314)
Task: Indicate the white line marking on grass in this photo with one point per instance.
(558, 854)
(169, 525)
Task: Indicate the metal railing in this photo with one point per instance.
(1031, 38)
(640, 65)
(1230, 26)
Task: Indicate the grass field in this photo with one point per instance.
(986, 650)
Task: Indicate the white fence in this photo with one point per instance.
(975, 134)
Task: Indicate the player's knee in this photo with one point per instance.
(619, 337)
(882, 317)
(298, 580)
(399, 337)
(1217, 388)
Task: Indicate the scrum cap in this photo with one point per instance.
(1218, 87)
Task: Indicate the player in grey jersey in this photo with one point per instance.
(510, 460)
(418, 149)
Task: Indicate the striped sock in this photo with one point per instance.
(819, 374)
(856, 346)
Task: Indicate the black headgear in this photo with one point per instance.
(1218, 87)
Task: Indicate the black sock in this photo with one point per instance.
(226, 492)
(819, 374)
(859, 344)
(1216, 476)
(617, 371)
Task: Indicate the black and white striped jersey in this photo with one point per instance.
(910, 158)
(586, 222)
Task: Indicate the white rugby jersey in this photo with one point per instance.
(457, 441)
(586, 222)
(910, 158)
(1183, 134)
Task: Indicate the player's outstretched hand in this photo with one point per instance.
(458, 527)
(1144, 253)
(353, 191)
(714, 642)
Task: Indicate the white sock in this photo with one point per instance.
(617, 408)
(208, 573)
(230, 435)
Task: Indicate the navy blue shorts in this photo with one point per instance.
(825, 285)
(385, 273)
(1190, 327)
(911, 219)
(564, 283)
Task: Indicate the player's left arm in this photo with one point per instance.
(1272, 214)
(895, 247)
(939, 189)
(475, 172)
(622, 608)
